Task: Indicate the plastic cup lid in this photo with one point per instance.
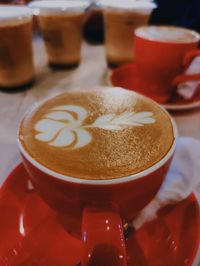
(63, 6)
(13, 13)
(136, 5)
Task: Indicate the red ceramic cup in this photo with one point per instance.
(161, 63)
(96, 209)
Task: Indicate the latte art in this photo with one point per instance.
(60, 128)
(98, 134)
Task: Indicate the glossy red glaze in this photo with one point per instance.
(128, 77)
(69, 199)
(160, 62)
(103, 228)
(32, 235)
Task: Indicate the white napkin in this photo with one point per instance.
(182, 179)
(188, 89)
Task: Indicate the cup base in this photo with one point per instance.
(18, 88)
(62, 67)
(129, 77)
(44, 229)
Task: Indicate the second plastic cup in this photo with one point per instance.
(61, 24)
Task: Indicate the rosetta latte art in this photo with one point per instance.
(63, 125)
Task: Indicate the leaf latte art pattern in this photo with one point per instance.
(63, 125)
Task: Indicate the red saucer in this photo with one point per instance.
(31, 234)
(127, 76)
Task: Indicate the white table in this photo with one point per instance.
(90, 73)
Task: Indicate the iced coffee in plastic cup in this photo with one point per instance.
(121, 18)
(16, 55)
(61, 24)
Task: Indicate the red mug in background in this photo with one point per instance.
(96, 209)
(162, 55)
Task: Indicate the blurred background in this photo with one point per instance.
(182, 13)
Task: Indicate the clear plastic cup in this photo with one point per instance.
(121, 18)
(16, 54)
(61, 24)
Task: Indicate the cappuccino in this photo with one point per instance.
(16, 55)
(167, 34)
(61, 25)
(121, 19)
(101, 134)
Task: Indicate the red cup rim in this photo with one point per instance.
(119, 180)
(166, 41)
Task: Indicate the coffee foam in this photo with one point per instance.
(14, 15)
(128, 5)
(168, 34)
(100, 134)
(58, 7)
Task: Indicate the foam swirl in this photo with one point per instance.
(63, 126)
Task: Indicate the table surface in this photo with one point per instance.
(91, 72)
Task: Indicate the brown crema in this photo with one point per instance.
(98, 134)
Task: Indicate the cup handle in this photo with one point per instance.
(190, 56)
(102, 236)
(186, 62)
